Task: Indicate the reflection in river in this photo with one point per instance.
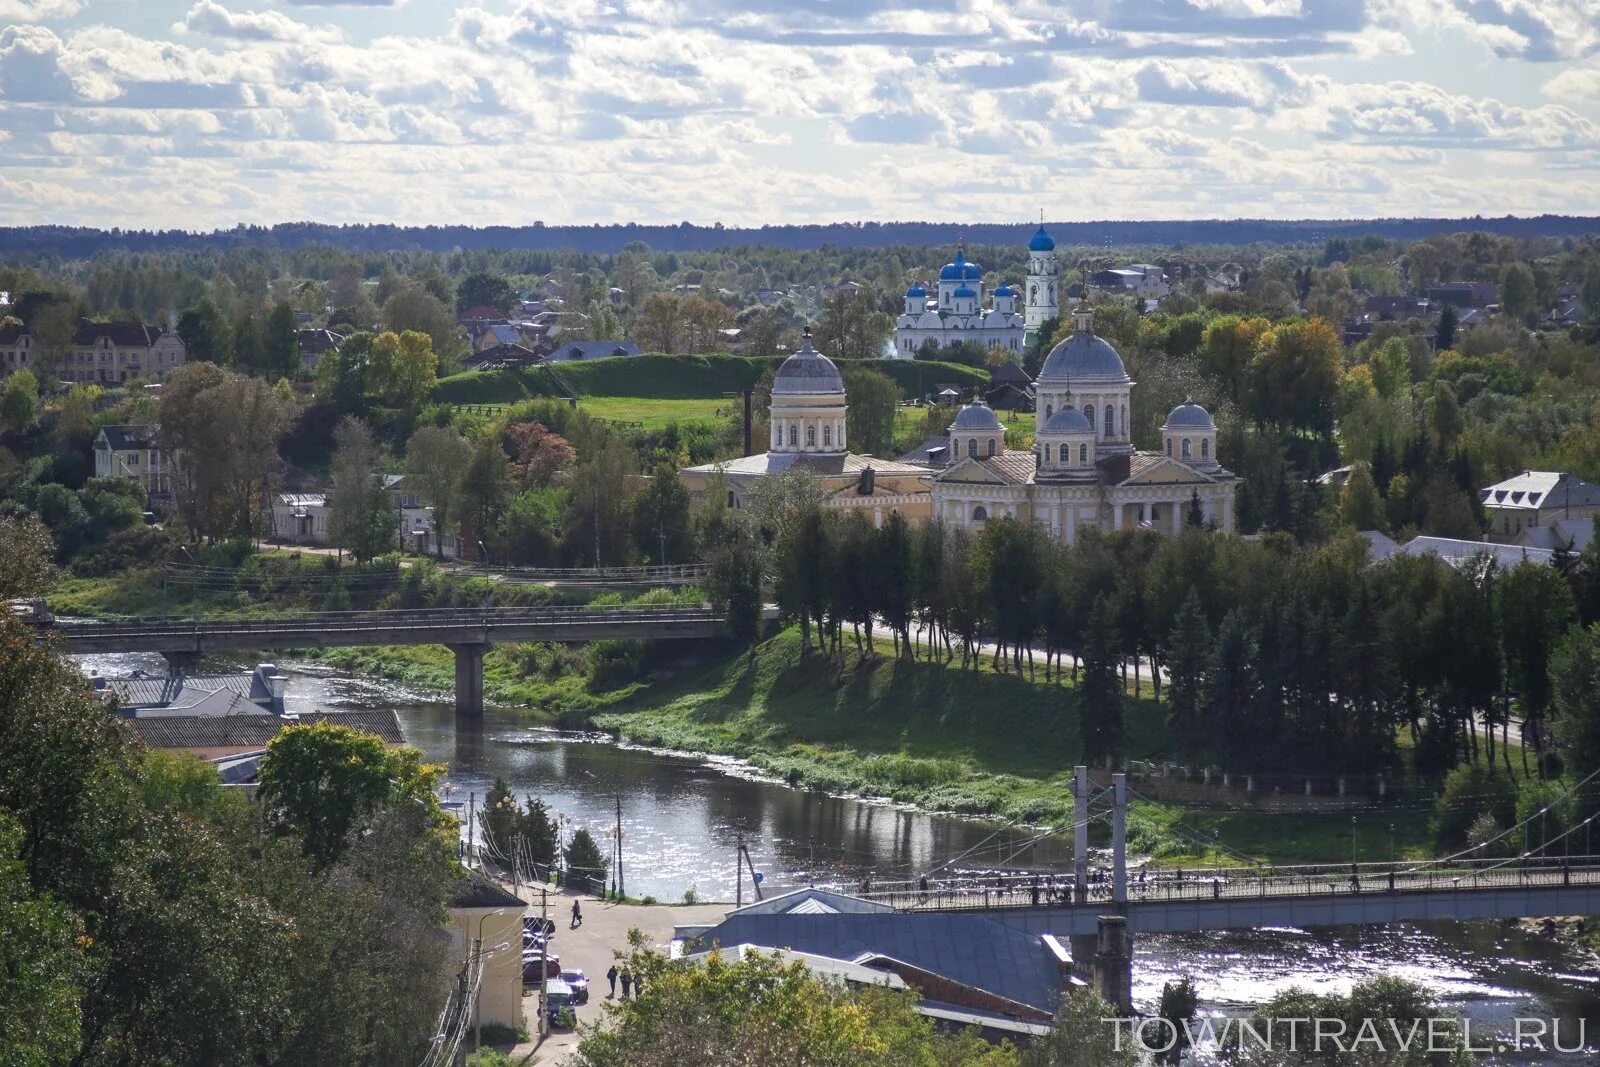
(682, 818)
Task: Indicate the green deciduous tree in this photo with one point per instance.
(584, 858)
(41, 964)
(484, 288)
(872, 399)
(436, 457)
(852, 327)
(19, 401)
(360, 515)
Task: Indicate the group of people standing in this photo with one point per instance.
(632, 984)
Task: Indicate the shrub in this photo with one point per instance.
(613, 664)
(1469, 791)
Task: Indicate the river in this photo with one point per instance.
(683, 817)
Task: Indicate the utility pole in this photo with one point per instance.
(738, 871)
(1080, 834)
(661, 535)
(544, 963)
(1119, 838)
(477, 1001)
(622, 888)
(472, 824)
(461, 988)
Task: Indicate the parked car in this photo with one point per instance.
(534, 961)
(559, 1000)
(579, 983)
(537, 925)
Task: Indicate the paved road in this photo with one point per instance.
(592, 948)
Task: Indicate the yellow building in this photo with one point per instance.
(486, 918)
(808, 433)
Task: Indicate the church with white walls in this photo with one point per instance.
(1084, 471)
(955, 310)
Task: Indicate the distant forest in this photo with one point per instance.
(71, 242)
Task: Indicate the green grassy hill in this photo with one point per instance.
(670, 377)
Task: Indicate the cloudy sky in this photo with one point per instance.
(205, 113)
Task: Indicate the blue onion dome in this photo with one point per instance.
(807, 371)
(977, 416)
(964, 290)
(1005, 290)
(916, 292)
(1041, 241)
(1068, 420)
(1191, 416)
(959, 269)
(1083, 355)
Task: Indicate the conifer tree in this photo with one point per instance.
(1187, 654)
(1100, 691)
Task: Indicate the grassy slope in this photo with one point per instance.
(671, 378)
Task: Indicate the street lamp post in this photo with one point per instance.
(1352, 844)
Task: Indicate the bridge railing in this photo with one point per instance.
(417, 618)
(1052, 889)
(673, 572)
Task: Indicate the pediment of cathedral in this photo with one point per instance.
(969, 472)
(1154, 469)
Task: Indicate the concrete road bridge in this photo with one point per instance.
(469, 633)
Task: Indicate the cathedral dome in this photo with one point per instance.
(916, 292)
(1083, 355)
(1068, 420)
(807, 371)
(1190, 416)
(959, 269)
(963, 291)
(977, 416)
(1041, 241)
(1005, 290)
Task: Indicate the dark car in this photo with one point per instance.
(579, 983)
(559, 1000)
(534, 960)
(533, 924)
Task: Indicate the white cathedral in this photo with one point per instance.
(955, 312)
(1084, 470)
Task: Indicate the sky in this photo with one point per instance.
(203, 114)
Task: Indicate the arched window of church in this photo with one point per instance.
(794, 436)
(980, 514)
(827, 436)
(1186, 451)
(1049, 409)
(1088, 413)
(1205, 448)
(972, 447)
(811, 437)
(1083, 453)
(991, 446)
(1047, 453)
(1111, 420)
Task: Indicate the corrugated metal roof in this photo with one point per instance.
(241, 731)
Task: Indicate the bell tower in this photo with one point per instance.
(1043, 299)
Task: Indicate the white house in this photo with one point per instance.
(1536, 499)
(134, 452)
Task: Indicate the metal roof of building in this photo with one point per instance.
(250, 731)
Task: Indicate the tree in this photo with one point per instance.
(249, 347)
(872, 398)
(1081, 1037)
(40, 962)
(26, 552)
(659, 326)
(596, 526)
(852, 327)
(584, 858)
(1230, 694)
(1575, 720)
(1536, 610)
(1379, 1007)
(402, 369)
(1360, 506)
(1518, 297)
(436, 456)
(19, 401)
(517, 833)
(663, 526)
(1295, 376)
(1187, 656)
(1100, 691)
(413, 308)
(756, 1010)
(324, 782)
(733, 578)
(484, 288)
(482, 490)
(360, 516)
(539, 456)
(1445, 334)
(341, 375)
(280, 349)
(1179, 1002)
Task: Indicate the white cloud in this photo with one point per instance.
(1576, 83)
(38, 10)
(212, 19)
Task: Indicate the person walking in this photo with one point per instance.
(627, 983)
(577, 916)
(611, 976)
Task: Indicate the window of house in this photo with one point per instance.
(1185, 450)
(794, 437)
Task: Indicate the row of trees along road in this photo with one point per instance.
(1281, 657)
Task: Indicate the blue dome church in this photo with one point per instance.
(955, 312)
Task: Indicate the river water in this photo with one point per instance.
(682, 819)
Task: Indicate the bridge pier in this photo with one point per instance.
(469, 679)
(1113, 964)
(180, 662)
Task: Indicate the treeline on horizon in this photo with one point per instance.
(74, 242)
